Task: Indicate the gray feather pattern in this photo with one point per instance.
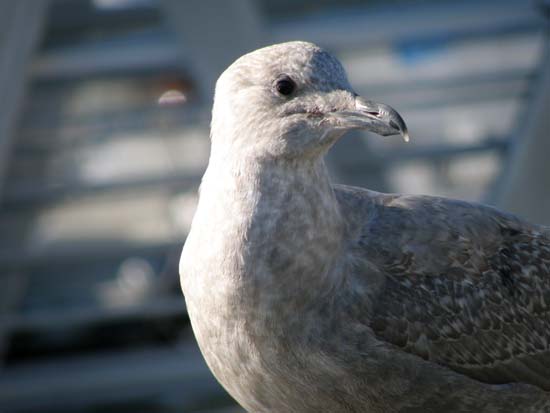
(466, 286)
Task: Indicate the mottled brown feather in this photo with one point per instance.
(466, 286)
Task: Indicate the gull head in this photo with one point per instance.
(291, 100)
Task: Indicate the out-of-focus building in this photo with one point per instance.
(98, 181)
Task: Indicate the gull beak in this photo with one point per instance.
(375, 117)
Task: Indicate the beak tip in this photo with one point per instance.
(406, 137)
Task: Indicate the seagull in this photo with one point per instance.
(308, 297)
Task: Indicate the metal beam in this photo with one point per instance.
(525, 187)
(122, 377)
(138, 51)
(160, 308)
(22, 259)
(21, 197)
(22, 23)
(368, 27)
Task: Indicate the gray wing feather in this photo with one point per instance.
(466, 286)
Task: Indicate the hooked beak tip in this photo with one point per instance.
(372, 116)
(380, 118)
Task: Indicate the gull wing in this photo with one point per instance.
(466, 286)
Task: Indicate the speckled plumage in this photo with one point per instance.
(308, 297)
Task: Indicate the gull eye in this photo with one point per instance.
(285, 85)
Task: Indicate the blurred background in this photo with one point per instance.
(98, 181)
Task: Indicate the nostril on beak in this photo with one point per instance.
(374, 113)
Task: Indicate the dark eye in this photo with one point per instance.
(285, 85)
